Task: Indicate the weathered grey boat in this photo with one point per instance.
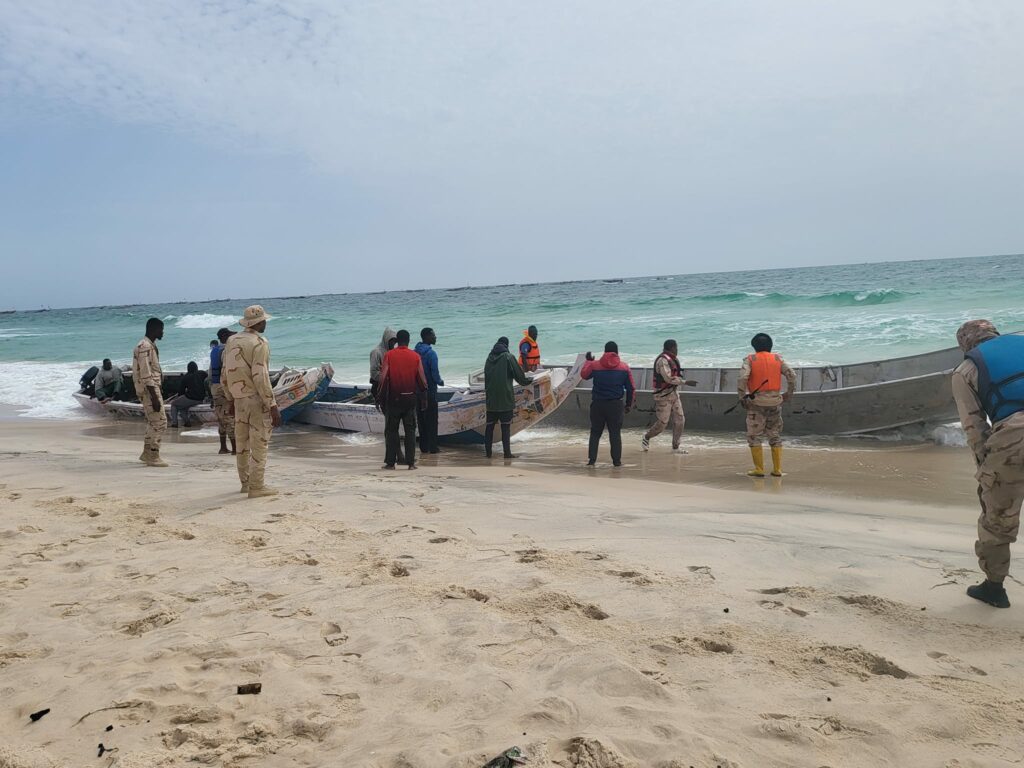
(294, 390)
(829, 400)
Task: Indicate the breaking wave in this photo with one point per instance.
(205, 320)
(833, 299)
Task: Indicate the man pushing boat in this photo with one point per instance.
(988, 387)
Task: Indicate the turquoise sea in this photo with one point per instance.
(817, 315)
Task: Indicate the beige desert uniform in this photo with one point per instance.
(764, 412)
(245, 376)
(667, 403)
(146, 372)
(999, 455)
(225, 421)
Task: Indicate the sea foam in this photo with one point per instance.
(42, 390)
(206, 320)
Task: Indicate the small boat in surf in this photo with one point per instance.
(294, 390)
(835, 400)
(461, 414)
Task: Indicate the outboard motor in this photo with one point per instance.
(86, 382)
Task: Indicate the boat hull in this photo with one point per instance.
(461, 419)
(847, 411)
(294, 391)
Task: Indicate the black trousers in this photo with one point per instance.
(610, 414)
(398, 415)
(428, 424)
(493, 417)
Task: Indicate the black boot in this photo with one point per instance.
(991, 592)
(224, 444)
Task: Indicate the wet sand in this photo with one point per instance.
(597, 618)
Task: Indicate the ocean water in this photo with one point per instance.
(816, 315)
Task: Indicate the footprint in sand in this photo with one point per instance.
(455, 592)
(634, 577)
(856, 661)
(955, 664)
(332, 634)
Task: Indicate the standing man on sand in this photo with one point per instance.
(988, 387)
(760, 390)
(500, 370)
(225, 421)
(148, 378)
(427, 416)
(402, 383)
(246, 378)
(529, 352)
(668, 377)
(613, 395)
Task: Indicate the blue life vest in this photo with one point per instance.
(215, 363)
(1000, 363)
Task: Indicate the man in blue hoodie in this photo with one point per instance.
(427, 417)
(613, 394)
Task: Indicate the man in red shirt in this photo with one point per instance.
(402, 383)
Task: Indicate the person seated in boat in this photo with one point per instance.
(988, 387)
(760, 391)
(529, 352)
(108, 381)
(500, 371)
(191, 392)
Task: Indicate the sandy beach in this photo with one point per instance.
(670, 614)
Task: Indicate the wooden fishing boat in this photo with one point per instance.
(461, 414)
(828, 400)
(294, 389)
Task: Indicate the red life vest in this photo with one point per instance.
(531, 360)
(765, 367)
(677, 372)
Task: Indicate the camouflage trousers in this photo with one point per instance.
(156, 424)
(1001, 491)
(225, 421)
(668, 408)
(252, 435)
(764, 421)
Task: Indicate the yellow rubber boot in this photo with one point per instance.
(757, 454)
(776, 461)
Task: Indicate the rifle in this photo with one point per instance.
(748, 396)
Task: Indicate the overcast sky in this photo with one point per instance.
(188, 150)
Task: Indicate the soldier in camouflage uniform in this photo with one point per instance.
(988, 387)
(246, 378)
(760, 390)
(225, 421)
(147, 376)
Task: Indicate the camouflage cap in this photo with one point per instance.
(254, 315)
(974, 332)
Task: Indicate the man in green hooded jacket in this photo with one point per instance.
(500, 370)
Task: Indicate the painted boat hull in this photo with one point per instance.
(294, 391)
(462, 419)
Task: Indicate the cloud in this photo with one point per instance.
(405, 88)
(582, 137)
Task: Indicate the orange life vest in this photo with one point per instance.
(530, 361)
(765, 367)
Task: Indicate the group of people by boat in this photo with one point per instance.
(987, 388)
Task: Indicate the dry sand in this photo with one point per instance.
(435, 618)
